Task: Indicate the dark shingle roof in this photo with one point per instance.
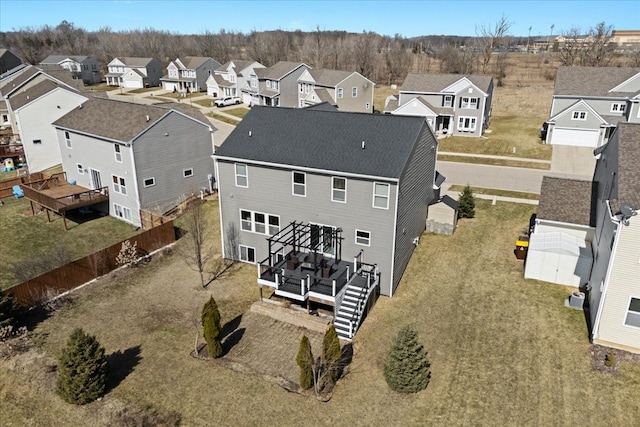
(591, 81)
(134, 62)
(240, 64)
(20, 98)
(628, 188)
(329, 77)
(193, 62)
(278, 70)
(566, 200)
(56, 59)
(437, 82)
(325, 140)
(15, 81)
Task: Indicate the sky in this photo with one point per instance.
(408, 18)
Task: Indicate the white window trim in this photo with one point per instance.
(448, 101)
(368, 238)
(117, 187)
(80, 169)
(333, 189)
(466, 103)
(247, 250)
(67, 139)
(293, 184)
(144, 182)
(354, 92)
(184, 173)
(245, 176)
(322, 226)
(340, 93)
(269, 216)
(117, 209)
(627, 311)
(473, 122)
(618, 107)
(373, 203)
(118, 152)
(576, 115)
(269, 84)
(252, 222)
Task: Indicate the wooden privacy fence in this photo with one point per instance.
(6, 186)
(69, 276)
(150, 220)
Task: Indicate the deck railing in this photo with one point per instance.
(12, 150)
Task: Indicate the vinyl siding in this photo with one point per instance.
(270, 192)
(416, 192)
(365, 95)
(436, 99)
(188, 145)
(566, 121)
(468, 92)
(601, 106)
(289, 88)
(624, 283)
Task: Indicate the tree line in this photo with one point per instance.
(383, 59)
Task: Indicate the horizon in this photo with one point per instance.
(405, 18)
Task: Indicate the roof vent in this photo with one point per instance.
(363, 145)
(249, 133)
(147, 117)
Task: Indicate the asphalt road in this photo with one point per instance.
(498, 177)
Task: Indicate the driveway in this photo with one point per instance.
(576, 161)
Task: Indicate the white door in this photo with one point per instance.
(576, 137)
(96, 181)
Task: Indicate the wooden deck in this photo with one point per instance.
(14, 151)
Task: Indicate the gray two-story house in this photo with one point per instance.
(348, 91)
(588, 103)
(84, 68)
(133, 72)
(189, 74)
(453, 104)
(329, 204)
(150, 156)
(232, 77)
(278, 84)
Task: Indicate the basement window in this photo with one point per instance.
(633, 313)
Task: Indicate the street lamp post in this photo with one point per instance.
(528, 37)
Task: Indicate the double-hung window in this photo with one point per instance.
(340, 93)
(469, 103)
(579, 115)
(633, 313)
(119, 184)
(448, 101)
(242, 177)
(299, 182)
(258, 222)
(380, 195)
(338, 189)
(118, 153)
(363, 237)
(246, 220)
(354, 92)
(122, 212)
(247, 254)
(67, 139)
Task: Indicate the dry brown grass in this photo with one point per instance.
(504, 350)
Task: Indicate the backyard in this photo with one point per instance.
(504, 350)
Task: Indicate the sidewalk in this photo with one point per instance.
(490, 156)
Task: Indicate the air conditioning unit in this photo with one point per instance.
(576, 300)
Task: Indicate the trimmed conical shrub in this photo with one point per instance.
(466, 204)
(82, 369)
(331, 354)
(304, 359)
(407, 369)
(212, 328)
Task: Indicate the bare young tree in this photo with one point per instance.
(197, 250)
(490, 37)
(593, 49)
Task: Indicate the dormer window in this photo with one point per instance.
(618, 107)
(579, 115)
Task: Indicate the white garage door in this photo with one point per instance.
(132, 84)
(246, 98)
(579, 138)
(170, 86)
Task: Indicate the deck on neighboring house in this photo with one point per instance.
(56, 195)
(13, 151)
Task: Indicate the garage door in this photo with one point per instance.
(132, 84)
(246, 98)
(579, 138)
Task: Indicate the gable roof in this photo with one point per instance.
(323, 95)
(566, 200)
(56, 59)
(6, 86)
(329, 77)
(278, 70)
(623, 148)
(583, 104)
(591, 81)
(418, 82)
(20, 99)
(134, 62)
(240, 64)
(193, 62)
(325, 140)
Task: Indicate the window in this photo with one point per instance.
(80, 169)
(116, 149)
(467, 124)
(338, 189)
(119, 184)
(269, 84)
(187, 173)
(254, 82)
(354, 92)
(340, 92)
(469, 103)
(448, 101)
(122, 212)
(579, 115)
(363, 237)
(232, 78)
(633, 313)
(299, 184)
(247, 254)
(259, 223)
(617, 107)
(246, 221)
(37, 141)
(67, 139)
(274, 225)
(380, 195)
(149, 182)
(300, 87)
(307, 88)
(242, 177)
(274, 85)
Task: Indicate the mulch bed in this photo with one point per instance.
(600, 353)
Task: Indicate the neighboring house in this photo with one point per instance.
(8, 60)
(349, 91)
(150, 156)
(453, 104)
(345, 193)
(134, 72)
(84, 68)
(278, 84)
(588, 103)
(231, 78)
(34, 101)
(189, 74)
(614, 287)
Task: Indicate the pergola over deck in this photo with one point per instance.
(55, 194)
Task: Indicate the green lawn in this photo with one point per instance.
(493, 192)
(28, 237)
(144, 90)
(224, 119)
(496, 162)
(205, 102)
(239, 112)
(504, 350)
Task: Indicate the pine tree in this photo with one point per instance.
(305, 360)
(466, 204)
(82, 369)
(212, 328)
(407, 369)
(331, 354)
(8, 310)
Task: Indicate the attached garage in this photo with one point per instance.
(246, 98)
(560, 258)
(576, 137)
(170, 86)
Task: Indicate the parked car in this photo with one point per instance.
(227, 100)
